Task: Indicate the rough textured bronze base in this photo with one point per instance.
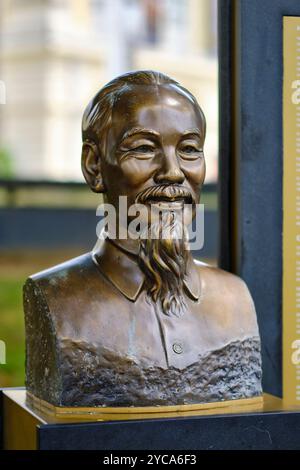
(227, 374)
(93, 379)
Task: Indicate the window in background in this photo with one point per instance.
(55, 55)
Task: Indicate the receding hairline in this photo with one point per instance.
(169, 87)
(175, 87)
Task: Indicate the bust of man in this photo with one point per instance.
(138, 321)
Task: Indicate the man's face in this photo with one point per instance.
(156, 138)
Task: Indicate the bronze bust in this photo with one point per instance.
(139, 322)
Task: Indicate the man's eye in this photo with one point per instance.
(189, 149)
(143, 149)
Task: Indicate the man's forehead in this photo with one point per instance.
(154, 105)
(153, 94)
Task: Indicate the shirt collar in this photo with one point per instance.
(118, 263)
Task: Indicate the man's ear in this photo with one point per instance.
(91, 166)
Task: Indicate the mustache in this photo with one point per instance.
(167, 192)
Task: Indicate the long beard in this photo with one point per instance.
(163, 258)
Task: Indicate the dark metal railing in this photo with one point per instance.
(11, 188)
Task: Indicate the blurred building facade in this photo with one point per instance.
(55, 55)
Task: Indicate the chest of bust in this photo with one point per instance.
(138, 330)
(105, 349)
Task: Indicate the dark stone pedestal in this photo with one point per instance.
(22, 429)
(277, 429)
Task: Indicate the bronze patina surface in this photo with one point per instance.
(140, 322)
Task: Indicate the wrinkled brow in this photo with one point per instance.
(139, 130)
(195, 132)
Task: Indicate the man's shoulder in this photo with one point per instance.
(68, 274)
(65, 292)
(61, 270)
(228, 295)
(217, 278)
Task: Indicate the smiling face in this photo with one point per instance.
(156, 138)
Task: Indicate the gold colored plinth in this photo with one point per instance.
(58, 414)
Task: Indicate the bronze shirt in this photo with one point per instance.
(100, 341)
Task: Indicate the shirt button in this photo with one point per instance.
(177, 348)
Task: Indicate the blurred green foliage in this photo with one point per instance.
(12, 332)
(15, 267)
(6, 166)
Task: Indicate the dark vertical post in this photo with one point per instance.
(251, 71)
(225, 57)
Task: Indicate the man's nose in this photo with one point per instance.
(169, 171)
